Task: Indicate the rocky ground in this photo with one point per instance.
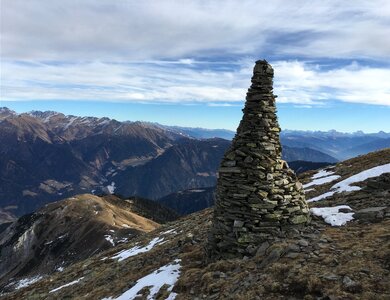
(319, 262)
(349, 262)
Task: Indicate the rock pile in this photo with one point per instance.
(258, 196)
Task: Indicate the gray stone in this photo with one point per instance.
(331, 277)
(370, 213)
(292, 255)
(351, 285)
(230, 163)
(261, 250)
(303, 243)
(293, 248)
(238, 223)
(229, 170)
(272, 257)
(299, 219)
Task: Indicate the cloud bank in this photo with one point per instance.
(194, 51)
(295, 82)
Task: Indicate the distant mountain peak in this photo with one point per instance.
(331, 132)
(3, 109)
(47, 113)
(6, 112)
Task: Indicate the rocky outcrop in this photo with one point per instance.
(258, 196)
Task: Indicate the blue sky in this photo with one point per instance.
(189, 63)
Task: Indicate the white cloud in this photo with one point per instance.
(149, 82)
(303, 83)
(137, 30)
(295, 82)
(154, 51)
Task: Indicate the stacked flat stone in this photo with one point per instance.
(258, 196)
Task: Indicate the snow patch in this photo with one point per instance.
(27, 281)
(204, 174)
(111, 188)
(332, 216)
(169, 231)
(345, 185)
(103, 121)
(322, 173)
(70, 122)
(373, 172)
(196, 191)
(137, 250)
(323, 196)
(168, 274)
(321, 180)
(62, 236)
(66, 285)
(123, 240)
(109, 239)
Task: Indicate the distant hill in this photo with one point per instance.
(301, 166)
(189, 201)
(202, 133)
(305, 154)
(369, 147)
(187, 164)
(73, 229)
(336, 144)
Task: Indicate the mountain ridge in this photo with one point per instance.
(46, 156)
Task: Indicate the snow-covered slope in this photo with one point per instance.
(339, 191)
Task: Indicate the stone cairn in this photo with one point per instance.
(258, 198)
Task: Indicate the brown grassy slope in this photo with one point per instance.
(65, 232)
(112, 212)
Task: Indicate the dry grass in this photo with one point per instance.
(359, 251)
(110, 214)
